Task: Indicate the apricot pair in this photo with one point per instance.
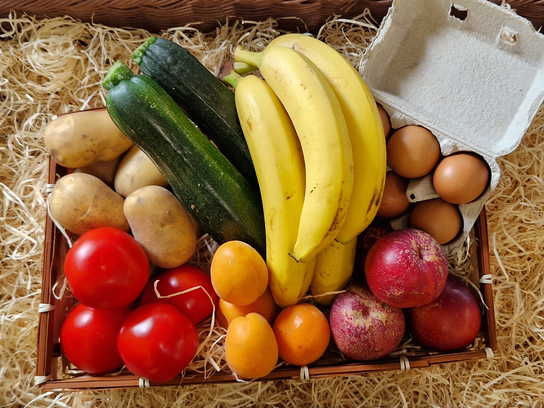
(258, 333)
(299, 336)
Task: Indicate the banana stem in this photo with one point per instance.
(232, 79)
(244, 67)
(249, 57)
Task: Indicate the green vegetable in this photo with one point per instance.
(207, 101)
(219, 198)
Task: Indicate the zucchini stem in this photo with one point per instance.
(138, 54)
(117, 73)
(249, 57)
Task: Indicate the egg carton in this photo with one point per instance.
(469, 71)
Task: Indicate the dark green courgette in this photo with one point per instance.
(219, 198)
(207, 101)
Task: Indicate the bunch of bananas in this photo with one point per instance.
(317, 142)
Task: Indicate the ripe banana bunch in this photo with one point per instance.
(333, 269)
(317, 203)
(321, 127)
(364, 125)
(279, 165)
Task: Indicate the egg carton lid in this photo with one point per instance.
(468, 70)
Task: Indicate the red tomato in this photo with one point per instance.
(89, 338)
(157, 342)
(106, 267)
(195, 304)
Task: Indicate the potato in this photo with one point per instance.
(104, 170)
(135, 171)
(81, 202)
(160, 223)
(79, 139)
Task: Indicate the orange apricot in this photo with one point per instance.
(251, 349)
(239, 273)
(302, 332)
(264, 305)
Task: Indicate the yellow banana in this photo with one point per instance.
(364, 125)
(320, 125)
(333, 270)
(277, 157)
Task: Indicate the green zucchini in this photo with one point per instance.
(220, 199)
(207, 101)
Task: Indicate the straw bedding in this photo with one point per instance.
(52, 66)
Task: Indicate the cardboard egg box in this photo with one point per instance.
(470, 71)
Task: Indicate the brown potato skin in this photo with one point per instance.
(160, 223)
(135, 171)
(79, 139)
(104, 170)
(80, 202)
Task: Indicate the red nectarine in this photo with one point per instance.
(364, 328)
(449, 322)
(406, 268)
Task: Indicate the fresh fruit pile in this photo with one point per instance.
(285, 174)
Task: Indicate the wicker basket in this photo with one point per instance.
(162, 14)
(51, 371)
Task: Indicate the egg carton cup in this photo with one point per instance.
(469, 71)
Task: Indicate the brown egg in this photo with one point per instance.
(461, 178)
(412, 151)
(440, 219)
(385, 121)
(394, 200)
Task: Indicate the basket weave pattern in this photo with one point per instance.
(206, 15)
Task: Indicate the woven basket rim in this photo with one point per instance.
(206, 15)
